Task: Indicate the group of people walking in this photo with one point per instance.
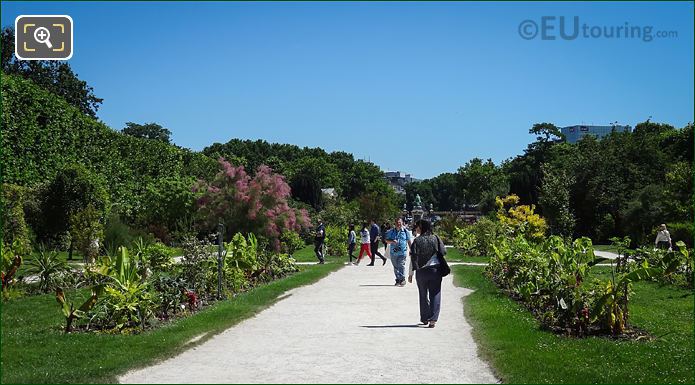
(426, 252)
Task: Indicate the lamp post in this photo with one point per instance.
(220, 234)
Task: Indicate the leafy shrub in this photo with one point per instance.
(520, 219)
(677, 264)
(336, 240)
(86, 230)
(128, 301)
(197, 261)
(290, 241)
(42, 134)
(171, 290)
(73, 190)
(257, 204)
(49, 268)
(487, 232)
(159, 256)
(464, 239)
(548, 278)
(447, 226)
(165, 202)
(14, 227)
(12, 257)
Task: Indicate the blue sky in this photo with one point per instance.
(415, 87)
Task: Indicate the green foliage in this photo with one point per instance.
(336, 240)
(167, 201)
(170, 289)
(680, 231)
(12, 257)
(290, 242)
(555, 201)
(481, 183)
(548, 277)
(448, 225)
(49, 268)
(86, 230)
(381, 207)
(147, 131)
(520, 219)
(70, 312)
(338, 212)
(464, 239)
(486, 232)
(519, 352)
(74, 194)
(308, 169)
(42, 134)
(677, 265)
(54, 76)
(14, 227)
(159, 257)
(128, 301)
(196, 262)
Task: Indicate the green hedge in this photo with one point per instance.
(42, 133)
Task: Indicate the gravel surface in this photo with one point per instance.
(353, 326)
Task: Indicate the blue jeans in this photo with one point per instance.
(398, 262)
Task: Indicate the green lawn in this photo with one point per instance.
(306, 254)
(455, 255)
(519, 352)
(35, 350)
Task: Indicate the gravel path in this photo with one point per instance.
(353, 326)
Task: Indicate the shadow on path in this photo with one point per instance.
(391, 326)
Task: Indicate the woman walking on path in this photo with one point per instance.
(425, 261)
(352, 239)
(366, 244)
(663, 238)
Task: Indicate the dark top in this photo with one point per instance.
(374, 232)
(423, 248)
(320, 233)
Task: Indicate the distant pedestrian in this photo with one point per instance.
(663, 238)
(319, 240)
(352, 239)
(366, 244)
(375, 236)
(399, 239)
(385, 227)
(425, 262)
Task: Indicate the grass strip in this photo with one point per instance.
(35, 350)
(510, 339)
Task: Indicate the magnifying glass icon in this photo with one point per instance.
(42, 36)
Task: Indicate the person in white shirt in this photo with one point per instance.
(663, 238)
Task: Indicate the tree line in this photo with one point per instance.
(622, 185)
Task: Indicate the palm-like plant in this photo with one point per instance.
(48, 267)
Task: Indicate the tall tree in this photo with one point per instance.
(55, 76)
(147, 131)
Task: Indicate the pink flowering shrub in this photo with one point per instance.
(248, 204)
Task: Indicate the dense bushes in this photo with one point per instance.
(138, 287)
(14, 226)
(257, 204)
(43, 134)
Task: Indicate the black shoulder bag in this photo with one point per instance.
(444, 268)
